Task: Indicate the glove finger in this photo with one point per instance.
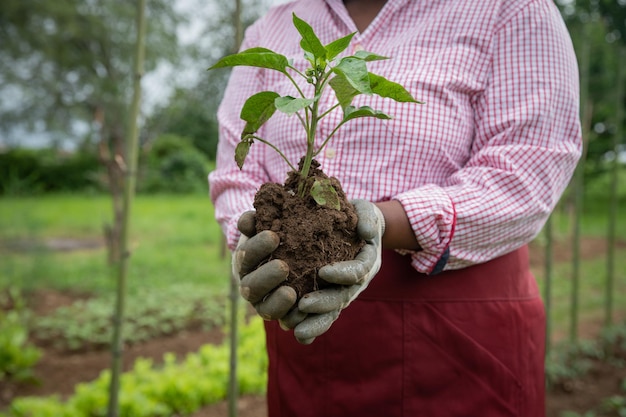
(247, 223)
(305, 341)
(258, 283)
(367, 227)
(350, 272)
(277, 304)
(292, 319)
(254, 250)
(324, 301)
(314, 326)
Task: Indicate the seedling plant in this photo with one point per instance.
(347, 76)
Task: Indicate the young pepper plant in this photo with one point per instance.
(348, 78)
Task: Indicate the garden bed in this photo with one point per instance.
(59, 371)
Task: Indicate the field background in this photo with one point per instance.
(52, 250)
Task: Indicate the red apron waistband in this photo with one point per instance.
(505, 278)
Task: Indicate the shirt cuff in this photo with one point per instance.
(432, 217)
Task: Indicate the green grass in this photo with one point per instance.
(593, 272)
(175, 239)
(591, 296)
(595, 208)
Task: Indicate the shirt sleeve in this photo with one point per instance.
(232, 190)
(526, 145)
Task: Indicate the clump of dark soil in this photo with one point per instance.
(311, 235)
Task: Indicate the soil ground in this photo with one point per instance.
(58, 373)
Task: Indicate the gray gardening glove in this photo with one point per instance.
(322, 307)
(260, 285)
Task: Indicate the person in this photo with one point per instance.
(445, 317)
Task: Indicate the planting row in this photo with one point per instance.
(175, 388)
(86, 324)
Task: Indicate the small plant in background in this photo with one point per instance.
(87, 324)
(177, 387)
(575, 414)
(17, 355)
(173, 164)
(613, 406)
(570, 361)
(616, 404)
(614, 343)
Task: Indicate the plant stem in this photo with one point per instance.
(304, 121)
(328, 138)
(328, 111)
(276, 149)
(294, 81)
(306, 165)
(310, 140)
(319, 87)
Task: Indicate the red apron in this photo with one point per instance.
(464, 343)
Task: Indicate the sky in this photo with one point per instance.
(188, 33)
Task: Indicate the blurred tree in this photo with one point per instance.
(595, 23)
(173, 164)
(614, 14)
(191, 110)
(68, 63)
(186, 115)
(598, 29)
(614, 11)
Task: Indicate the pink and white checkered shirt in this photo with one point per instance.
(477, 168)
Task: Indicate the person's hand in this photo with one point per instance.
(318, 310)
(260, 283)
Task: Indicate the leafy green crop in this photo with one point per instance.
(569, 362)
(178, 387)
(87, 324)
(347, 76)
(17, 355)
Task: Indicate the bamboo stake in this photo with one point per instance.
(233, 383)
(547, 295)
(579, 182)
(130, 177)
(613, 204)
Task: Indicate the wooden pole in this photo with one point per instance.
(613, 204)
(578, 182)
(547, 295)
(233, 383)
(130, 177)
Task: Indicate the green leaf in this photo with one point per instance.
(257, 110)
(356, 73)
(369, 56)
(309, 57)
(291, 105)
(241, 151)
(389, 89)
(351, 112)
(325, 194)
(255, 57)
(343, 90)
(338, 46)
(310, 42)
